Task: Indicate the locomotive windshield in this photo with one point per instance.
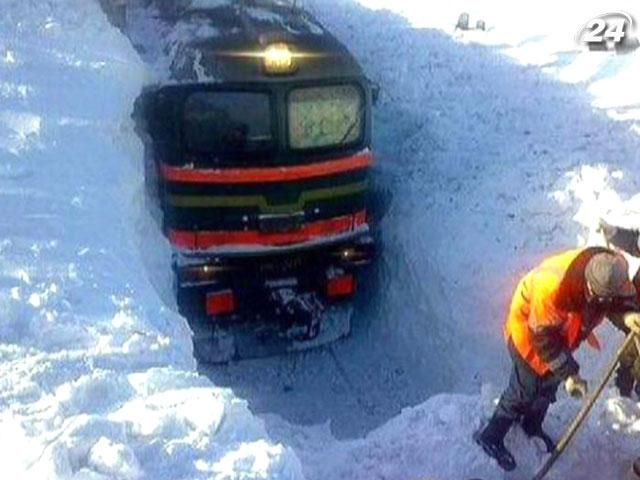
(325, 117)
(228, 124)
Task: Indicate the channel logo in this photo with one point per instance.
(610, 32)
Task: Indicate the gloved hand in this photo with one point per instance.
(576, 386)
(632, 322)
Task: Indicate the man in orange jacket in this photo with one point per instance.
(628, 372)
(554, 309)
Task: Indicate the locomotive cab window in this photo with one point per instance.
(326, 117)
(228, 124)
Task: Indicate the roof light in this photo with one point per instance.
(278, 59)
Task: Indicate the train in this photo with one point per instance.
(259, 156)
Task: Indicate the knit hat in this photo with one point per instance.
(608, 276)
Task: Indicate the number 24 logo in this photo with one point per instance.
(608, 27)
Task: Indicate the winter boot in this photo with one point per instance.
(634, 471)
(532, 426)
(491, 439)
(542, 435)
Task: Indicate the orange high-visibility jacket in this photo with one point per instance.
(545, 297)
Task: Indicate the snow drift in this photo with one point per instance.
(97, 376)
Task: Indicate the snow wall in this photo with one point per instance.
(97, 379)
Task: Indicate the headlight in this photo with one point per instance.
(278, 59)
(200, 274)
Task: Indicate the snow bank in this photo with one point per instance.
(97, 379)
(433, 441)
(543, 34)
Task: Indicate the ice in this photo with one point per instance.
(204, 4)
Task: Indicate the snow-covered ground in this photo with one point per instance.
(495, 148)
(97, 379)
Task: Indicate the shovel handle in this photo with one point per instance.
(586, 408)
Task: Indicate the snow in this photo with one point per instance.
(494, 148)
(97, 379)
(204, 4)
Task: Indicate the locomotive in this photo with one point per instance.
(259, 154)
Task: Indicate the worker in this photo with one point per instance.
(555, 308)
(628, 373)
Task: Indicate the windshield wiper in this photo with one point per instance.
(352, 125)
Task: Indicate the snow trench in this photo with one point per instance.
(484, 165)
(97, 378)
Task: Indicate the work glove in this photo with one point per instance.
(632, 322)
(576, 386)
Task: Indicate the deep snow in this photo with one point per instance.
(97, 379)
(495, 149)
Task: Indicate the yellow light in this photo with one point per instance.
(278, 59)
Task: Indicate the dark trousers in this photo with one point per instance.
(625, 381)
(527, 397)
(628, 372)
